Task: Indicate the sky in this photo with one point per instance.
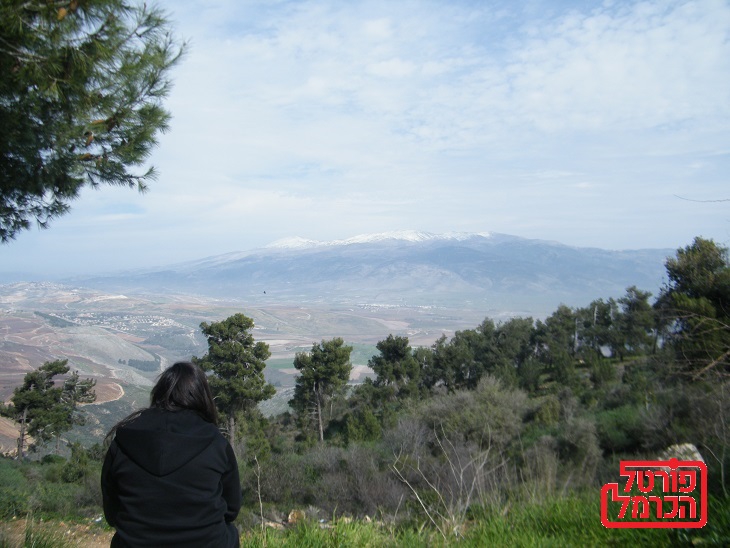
(594, 124)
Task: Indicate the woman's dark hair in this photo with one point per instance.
(181, 386)
(184, 386)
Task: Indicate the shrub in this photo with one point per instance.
(362, 426)
(621, 430)
(540, 465)
(13, 502)
(489, 416)
(578, 445)
(54, 499)
(603, 372)
(13, 489)
(548, 414)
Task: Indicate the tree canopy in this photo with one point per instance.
(237, 363)
(696, 306)
(45, 410)
(396, 366)
(80, 102)
(323, 373)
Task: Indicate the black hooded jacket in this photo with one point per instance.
(171, 479)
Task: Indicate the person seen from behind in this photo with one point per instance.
(169, 476)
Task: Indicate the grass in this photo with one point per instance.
(360, 534)
(33, 535)
(556, 522)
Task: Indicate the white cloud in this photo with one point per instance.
(326, 119)
(392, 68)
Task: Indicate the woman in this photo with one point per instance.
(169, 477)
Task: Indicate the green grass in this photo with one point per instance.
(572, 521)
(312, 535)
(557, 522)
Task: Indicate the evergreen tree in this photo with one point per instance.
(558, 342)
(323, 375)
(515, 345)
(396, 368)
(455, 363)
(596, 327)
(237, 364)
(45, 410)
(695, 305)
(636, 322)
(80, 101)
(76, 391)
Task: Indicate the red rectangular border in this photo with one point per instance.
(672, 464)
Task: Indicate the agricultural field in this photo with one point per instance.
(123, 341)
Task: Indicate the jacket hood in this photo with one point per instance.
(162, 441)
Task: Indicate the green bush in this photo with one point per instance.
(13, 489)
(362, 425)
(578, 447)
(602, 372)
(548, 414)
(54, 500)
(621, 430)
(489, 415)
(53, 459)
(13, 502)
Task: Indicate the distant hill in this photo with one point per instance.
(493, 272)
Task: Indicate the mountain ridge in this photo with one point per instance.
(485, 270)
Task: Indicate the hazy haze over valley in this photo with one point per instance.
(123, 328)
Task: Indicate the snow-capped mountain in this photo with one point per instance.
(487, 270)
(395, 236)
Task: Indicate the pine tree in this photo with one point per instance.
(45, 410)
(323, 375)
(237, 364)
(80, 101)
(695, 307)
(396, 368)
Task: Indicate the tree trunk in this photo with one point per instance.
(319, 418)
(21, 436)
(231, 430)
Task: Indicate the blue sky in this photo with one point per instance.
(600, 124)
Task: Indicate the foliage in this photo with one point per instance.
(80, 101)
(145, 365)
(557, 521)
(621, 430)
(505, 351)
(695, 306)
(502, 434)
(396, 368)
(237, 364)
(323, 375)
(635, 323)
(46, 411)
(50, 488)
(13, 489)
(254, 445)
